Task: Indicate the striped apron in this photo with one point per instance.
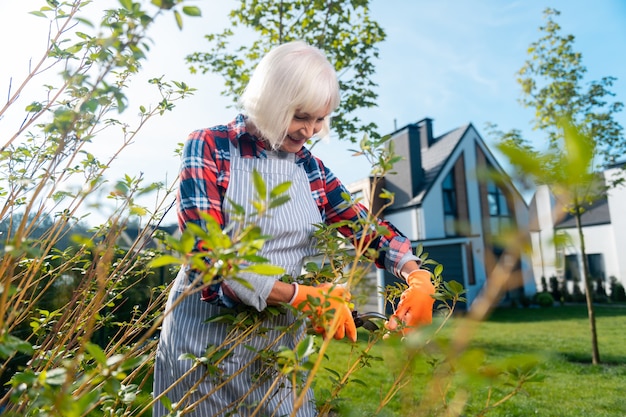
(185, 329)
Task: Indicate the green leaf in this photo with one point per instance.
(34, 107)
(306, 347)
(28, 377)
(114, 360)
(237, 209)
(255, 259)
(179, 19)
(192, 11)
(167, 403)
(455, 287)
(279, 201)
(280, 189)
(265, 269)
(359, 382)
(127, 4)
(259, 184)
(9, 345)
(187, 356)
(133, 362)
(56, 376)
(96, 353)
(38, 13)
(164, 260)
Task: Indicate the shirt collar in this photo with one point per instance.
(253, 146)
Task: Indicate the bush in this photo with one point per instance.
(618, 293)
(577, 295)
(544, 299)
(555, 288)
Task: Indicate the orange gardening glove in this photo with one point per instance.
(416, 304)
(333, 306)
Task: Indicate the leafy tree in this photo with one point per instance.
(54, 299)
(583, 136)
(342, 29)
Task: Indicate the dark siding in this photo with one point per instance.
(409, 174)
(451, 257)
(461, 193)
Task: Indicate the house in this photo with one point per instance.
(603, 226)
(441, 204)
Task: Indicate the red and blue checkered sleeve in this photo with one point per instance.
(393, 247)
(201, 178)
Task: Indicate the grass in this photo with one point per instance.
(558, 337)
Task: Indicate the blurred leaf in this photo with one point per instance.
(179, 19)
(280, 189)
(10, 345)
(264, 269)
(279, 201)
(165, 260)
(96, 353)
(259, 184)
(192, 11)
(55, 376)
(306, 347)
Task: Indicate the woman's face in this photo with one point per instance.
(303, 126)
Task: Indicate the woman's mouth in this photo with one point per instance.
(295, 140)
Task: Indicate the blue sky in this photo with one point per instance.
(451, 60)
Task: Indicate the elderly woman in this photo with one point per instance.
(289, 100)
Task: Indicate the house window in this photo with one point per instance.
(572, 270)
(499, 213)
(596, 266)
(450, 212)
(358, 195)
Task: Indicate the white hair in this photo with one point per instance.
(293, 77)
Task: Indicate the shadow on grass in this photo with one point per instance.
(617, 361)
(551, 356)
(573, 312)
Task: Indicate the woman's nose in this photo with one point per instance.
(309, 130)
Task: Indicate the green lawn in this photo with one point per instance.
(558, 336)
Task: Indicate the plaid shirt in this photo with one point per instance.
(205, 173)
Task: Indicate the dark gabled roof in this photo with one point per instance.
(434, 158)
(595, 214)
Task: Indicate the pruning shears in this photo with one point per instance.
(365, 320)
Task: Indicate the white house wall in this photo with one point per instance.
(432, 206)
(617, 204)
(407, 222)
(528, 274)
(598, 239)
(544, 261)
(608, 239)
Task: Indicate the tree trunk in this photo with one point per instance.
(595, 352)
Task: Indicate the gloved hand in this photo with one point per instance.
(332, 297)
(416, 304)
